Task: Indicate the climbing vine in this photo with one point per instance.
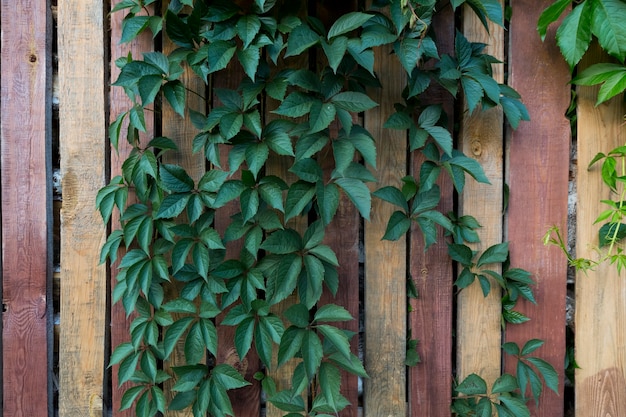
(168, 231)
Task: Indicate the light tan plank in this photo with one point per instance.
(601, 294)
(385, 262)
(84, 281)
(481, 137)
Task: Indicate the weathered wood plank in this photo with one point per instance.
(600, 294)
(385, 261)
(84, 281)
(119, 103)
(25, 133)
(430, 319)
(537, 174)
(246, 401)
(342, 234)
(182, 132)
(481, 137)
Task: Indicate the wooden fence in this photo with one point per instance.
(459, 333)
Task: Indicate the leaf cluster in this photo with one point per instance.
(305, 118)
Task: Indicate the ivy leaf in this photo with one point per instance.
(332, 312)
(397, 226)
(175, 178)
(610, 232)
(328, 201)
(551, 15)
(228, 377)
(505, 383)
(249, 59)
(322, 115)
(290, 343)
(494, 254)
(517, 406)
(548, 372)
(296, 104)
(300, 39)
(133, 26)
(219, 54)
(608, 25)
(358, 193)
(172, 206)
(574, 34)
(298, 197)
(248, 27)
(472, 385)
(335, 50)
(312, 352)
(283, 242)
(353, 101)
(347, 23)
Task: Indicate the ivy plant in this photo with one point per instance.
(168, 232)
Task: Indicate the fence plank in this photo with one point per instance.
(84, 281)
(538, 171)
(600, 294)
(481, 137)
(25, 126)
(430, 382)
(119, 103)
(182, 132)
(385, 261)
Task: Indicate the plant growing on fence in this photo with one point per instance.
(169, 232)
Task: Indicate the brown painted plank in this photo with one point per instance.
(120, 103)
(430, 382)
(481, 137)
(182, 132)
(25, 133)
(537, 174)
(342, 235)
(600, 294)
(82, 126)
(385, 261)
(246, 401)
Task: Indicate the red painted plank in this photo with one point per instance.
(120, 103)
(25, 136)
(430, 382)
(538, 169)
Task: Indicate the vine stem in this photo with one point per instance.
(621, 205)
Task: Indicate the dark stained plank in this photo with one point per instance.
(120, 103)
(25, 123)
(342, 234)
(84, 280)
(430, 320)
(537, 174)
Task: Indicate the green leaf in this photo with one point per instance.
(307, 169)
(322, 115)
(505, 383)
(548, 372)
(347, 23)
(286, 401)
(175, 178)
(551, 15)
(531, 346)
(358, 193)
(325, 253)
(174, 333)
(353, 366)
(296, 104)
(337, 338)
(393, 196)
(228, 377)
(574, 34)
(515, 405)
(175, 93)
(249, 59)
(335, 51)
(283, 242)
(219, 54)
(178, 30)
(313, 235)
(172, 206)
(608, 26)
(494, 254)
(290, 343)
(130, 396)
(610, 232)
(312, 352)
(298, 197)
(353, 101)
(472, 385)
(133, 26)
(460, 253)
(397, 226)
(248, 27)
(612, 87)
(300, 39)
(148, 87)
(332, 312)
(298, 315)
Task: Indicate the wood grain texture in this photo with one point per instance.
(25, 134)
(600, 294)
(182, 132)
(481, 137)
(84, 281)
(430, 319)
(385, 262)
(119, 103)
(538, 171)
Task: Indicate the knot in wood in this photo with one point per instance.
(477, 147)
(32, 58)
